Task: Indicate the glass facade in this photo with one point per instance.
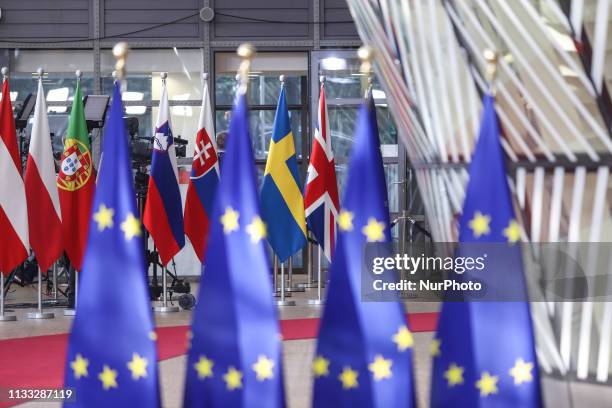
(344, 85)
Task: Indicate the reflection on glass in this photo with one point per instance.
(261, 127)
(342, 124)
(183, 66)
(263, 89)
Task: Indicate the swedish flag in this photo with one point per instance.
(112, 359)
(484, 351)
(364, 350)
(282, 205)
(234, 359)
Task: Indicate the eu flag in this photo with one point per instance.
(484, 351)
(234, 359)
(364, 350)
(282, 205)
(112, 359)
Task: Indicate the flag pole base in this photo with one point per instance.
(295, 289)
(285, 303)
(316, 302)
(69, 312)
(40, 315)
(166, 309)
(8, 318)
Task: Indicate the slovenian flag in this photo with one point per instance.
(203, 180)
(163, 214)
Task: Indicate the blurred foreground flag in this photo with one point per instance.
(282, 205)
(112, 359)
(484, 351)
(364, 350)
(203, 180)
(234, 359)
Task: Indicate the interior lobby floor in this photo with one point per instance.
(298, 355)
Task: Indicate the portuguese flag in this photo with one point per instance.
(75, 182)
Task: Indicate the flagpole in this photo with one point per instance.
(310, 278)
(55, 281)
(164, 308)
(318, 301)
(3, 317)
(72, 312)
(283, 301)
(39, 314)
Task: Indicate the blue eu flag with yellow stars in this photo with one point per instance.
(483, 352)
(112, 358)
(364, 350)
(234, 358)
(282, 204)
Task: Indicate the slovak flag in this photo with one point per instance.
(203, 180)
(163, 213)
(321, 201)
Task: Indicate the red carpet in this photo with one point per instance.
(38, 362)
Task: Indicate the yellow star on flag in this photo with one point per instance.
(320, 366)
(480, 224)
(264, 368)
(374, 230)
(204, 367)
(233, 379)
(79, 366)
(513, 232)
(487, 384)
(104, 217)
(380, 367)
(229, 219)
(521, 372)
(138, 366)
(257, 230)
(131, 227)
(434, 348)
(345, 220)
(108, 378)
(348, 378)
(403, 338)
(454, 375)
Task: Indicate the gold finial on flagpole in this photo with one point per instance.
(5, 73)
(282, 80)
(78, 74)
(491, 59)
(246, 52)
(120, 52)
(40, 72)
(366, 55)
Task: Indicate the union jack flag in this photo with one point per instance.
(321, 196)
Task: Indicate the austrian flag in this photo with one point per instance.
(13, 209)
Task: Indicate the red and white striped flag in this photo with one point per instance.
(44, 214)
(13, 209)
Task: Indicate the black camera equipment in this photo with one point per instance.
(95, 110)
(180, 146)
